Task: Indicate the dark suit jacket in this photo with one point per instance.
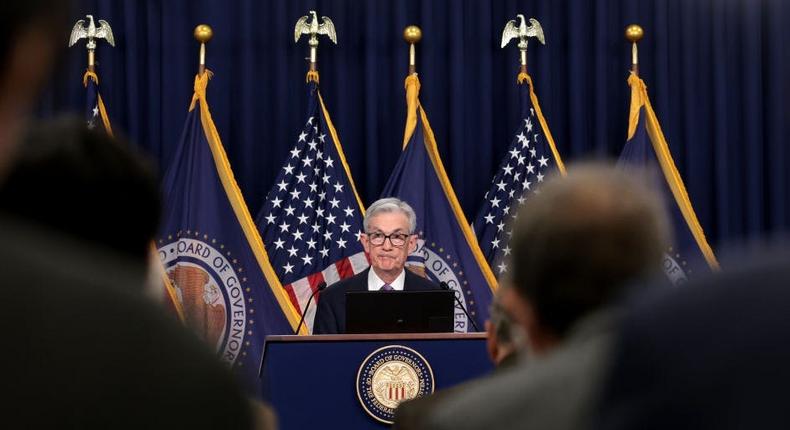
(84, 349)
(411, 414)
(330, 318)
(712, 354)
(555, 391)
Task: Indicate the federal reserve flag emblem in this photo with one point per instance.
(390, 375)
(223, 284)
(430, 260)
(206, 279)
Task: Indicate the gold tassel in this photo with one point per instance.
(89, 74)
(412, 85)
(201, 82)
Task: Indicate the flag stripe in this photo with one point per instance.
(292, 297)
(331, 274)
(344, 268)
(299, 291)
(302, 291)
(314, 280)
(359, 262)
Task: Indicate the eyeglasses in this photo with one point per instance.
(396, 239)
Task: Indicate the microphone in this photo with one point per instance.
(320, 288)
(457, 300)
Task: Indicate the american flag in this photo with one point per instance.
(312, 217)
(530, 158)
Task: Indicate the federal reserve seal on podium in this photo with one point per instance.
(390, 375)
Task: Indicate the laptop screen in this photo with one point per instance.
(399, 311)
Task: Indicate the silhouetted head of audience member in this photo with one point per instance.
(576, 245)
(84, 183)
(504, 340)
(30, 33)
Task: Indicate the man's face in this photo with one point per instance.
(388, 258)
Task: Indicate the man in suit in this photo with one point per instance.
(388, 239)
(576, 247)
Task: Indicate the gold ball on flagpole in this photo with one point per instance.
(412, 34)
(203, 33)
(634, 33)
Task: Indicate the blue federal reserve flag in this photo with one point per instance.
(312, 216)
(531, 156)
(95, 112)
(447, 250)
(212, 251)
(647, 148)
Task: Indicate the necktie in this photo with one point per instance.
(386, 287)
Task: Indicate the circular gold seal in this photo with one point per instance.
(390, 375)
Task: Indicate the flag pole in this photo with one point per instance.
(518, 29)
(412, 35)
(91, 33)
(92, 60)
(203, 33)
(634, 33)
(309, 24)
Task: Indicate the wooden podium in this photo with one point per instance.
(320, 381)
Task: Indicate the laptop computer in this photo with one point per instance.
(399, 311)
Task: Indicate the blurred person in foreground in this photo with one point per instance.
(710, 355)
(504, 341)
(577, 247)
(83, 347)
(31, 32)
(85, 184)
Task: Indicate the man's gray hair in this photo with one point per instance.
(387, 205)
(584, 239)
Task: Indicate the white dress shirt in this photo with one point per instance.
(375, 283)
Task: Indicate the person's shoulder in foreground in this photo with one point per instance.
(550, 392)
(577, 247)
(89, 351)
(712, 354)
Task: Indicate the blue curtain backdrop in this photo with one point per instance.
(716, 71)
